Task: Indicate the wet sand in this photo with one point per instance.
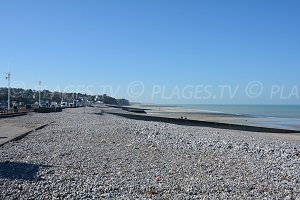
(177, 112)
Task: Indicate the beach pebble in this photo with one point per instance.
(88, 156)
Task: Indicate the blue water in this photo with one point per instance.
(274, 116)
(276, 111)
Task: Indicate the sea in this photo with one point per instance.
(275, 116)
(273, 111)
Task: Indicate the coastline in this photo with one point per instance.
(220, 117)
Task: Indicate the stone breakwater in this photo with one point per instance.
(88, 156)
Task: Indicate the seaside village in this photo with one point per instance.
(14, 100)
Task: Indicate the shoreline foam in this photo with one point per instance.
(248, 120)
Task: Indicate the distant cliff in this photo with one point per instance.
(110, 100)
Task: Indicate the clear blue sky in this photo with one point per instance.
(160, 42)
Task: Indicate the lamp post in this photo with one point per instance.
(40, 84)
(8, 95)
(62, 96)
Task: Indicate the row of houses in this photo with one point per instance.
(30, 98)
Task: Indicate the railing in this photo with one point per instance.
(6, 111)
(13, 111)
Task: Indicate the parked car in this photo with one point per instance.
(53, 104)
(64, 104)
(28, 106)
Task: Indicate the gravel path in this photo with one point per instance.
(88, 156)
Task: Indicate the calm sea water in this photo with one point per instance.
(276, 111)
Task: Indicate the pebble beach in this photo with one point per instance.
(85, 155)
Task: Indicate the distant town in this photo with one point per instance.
(28, 98)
